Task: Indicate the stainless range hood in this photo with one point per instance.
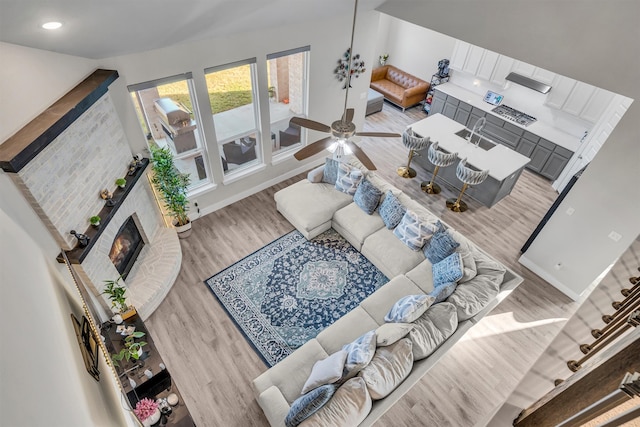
(527, 82)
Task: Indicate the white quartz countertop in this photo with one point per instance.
(500, 160)
(554, 135)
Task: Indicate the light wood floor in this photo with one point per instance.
(213, 364)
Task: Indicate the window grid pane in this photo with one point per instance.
(167, 117)
(233, 104)
(287, 97)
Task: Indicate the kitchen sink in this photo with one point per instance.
(482, 142)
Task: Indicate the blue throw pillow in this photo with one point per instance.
(448, 270)
(330, 173)
(360, 352)
(409, 308)
(308, 404)
(440, 246)
(391, 210)
(367, 197)
(348, 178)
(413, 231)
(443, 292)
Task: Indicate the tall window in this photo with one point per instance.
(168, 117)
(288, 89)
(232, 96)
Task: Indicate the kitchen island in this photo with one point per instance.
(505, 165)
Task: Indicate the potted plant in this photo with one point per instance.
(272, 93)
(95, 220)
(116, 294)
(121, 182)
(172, 186)
(148, 412)
(132, 349)
(383, 59)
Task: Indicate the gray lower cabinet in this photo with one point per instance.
(547, 158)
(437, 105)
(462, 116)
(450, 110)
(539, 157)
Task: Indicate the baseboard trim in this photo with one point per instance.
(538, 271)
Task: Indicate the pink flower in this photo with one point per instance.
(145, 408)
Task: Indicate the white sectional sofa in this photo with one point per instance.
(315, 207)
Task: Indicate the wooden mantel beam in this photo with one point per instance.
(25, 144)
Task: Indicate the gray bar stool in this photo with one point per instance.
(413, 143)
(469, 177)
(439, 159)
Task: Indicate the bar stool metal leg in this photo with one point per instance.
(407, 171)
(458, 205)
(431, 187)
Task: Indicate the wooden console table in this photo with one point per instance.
(159, 386)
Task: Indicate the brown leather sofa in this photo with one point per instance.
(398, 87)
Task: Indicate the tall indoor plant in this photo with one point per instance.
(172, 185)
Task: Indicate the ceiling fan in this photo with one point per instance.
(341, 130)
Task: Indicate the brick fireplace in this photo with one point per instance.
(62, 161)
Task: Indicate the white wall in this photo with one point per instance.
(23, 96)
(413, 48)
(42, 375)
(582, 41)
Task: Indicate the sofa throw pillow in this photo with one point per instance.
(348, 178)
(308, 404)
(391, 210)
(367, 196)
(448, 270)
(442, 292)
(326, 371)
(440, 246)
(349, 406)
(413, 231)
(359, 353)
(330, 172)
(390, 333)
(409, 308)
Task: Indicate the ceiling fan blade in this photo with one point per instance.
(347, 117)
(379, 134)
(364, 159)
(310, 124)
(313, 148)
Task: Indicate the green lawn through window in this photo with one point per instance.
(228, 89)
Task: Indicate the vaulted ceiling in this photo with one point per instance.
(103, 29)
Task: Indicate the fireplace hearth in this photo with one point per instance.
(126, 246)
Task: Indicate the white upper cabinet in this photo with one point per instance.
(503, 67)
(544, 76)
(459, 55)
(523, 68)
(474, 56)
(596, 105)
(487, 65)
(561, 88)
(578, 98)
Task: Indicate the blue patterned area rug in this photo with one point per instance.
(284, 294)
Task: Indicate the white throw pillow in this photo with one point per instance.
(326, 371)
(409, 308)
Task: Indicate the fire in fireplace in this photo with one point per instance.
(126, 246)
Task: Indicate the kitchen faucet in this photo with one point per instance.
(477, 128)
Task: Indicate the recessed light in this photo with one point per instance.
(51, 25)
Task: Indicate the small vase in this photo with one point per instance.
(117, 319)
(153, 419)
